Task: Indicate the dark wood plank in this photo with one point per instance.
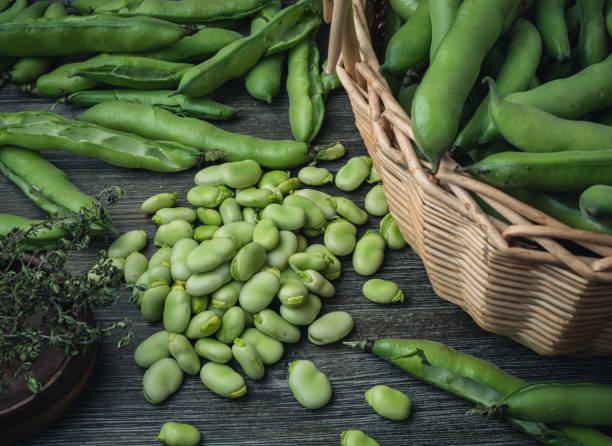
(112, 410)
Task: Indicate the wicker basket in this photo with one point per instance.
(518, 280)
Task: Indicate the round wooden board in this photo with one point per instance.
(23, 414)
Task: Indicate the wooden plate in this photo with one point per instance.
(22, 413)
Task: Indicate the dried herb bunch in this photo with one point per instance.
(42, 303)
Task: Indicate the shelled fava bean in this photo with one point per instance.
(215, 285)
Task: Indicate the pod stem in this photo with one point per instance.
(207, 157)
(364, 345)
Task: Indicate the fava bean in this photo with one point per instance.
(240, 230)
(182, 351)
(241, 174)
(153, 300)
(335, 267)
(178, 259)
(305, 314)
(353, 173)
(248, 261)
(301, 261)
(356, 438)
(348, 210)
(374, 177)
(203, 325)
(302, 243)
(177, 310)
(204, 232)
(166, 215)
(272, 324)
(250, 215)
(310, 386)
(135, 266)
(287, 246)
(153, 204)
(226, 296)
(330, 152)
(211, 254)
(287, 218)
(198, 304)
(162, 255)
(128, 243)
(209, 217)
(259, 290)
(340, 237)
(161, 380)
(369, 253)
(320, 200)
(230, 211)
(331, 327)
(246, 355)
(289, 185)
(376, 202)
(209, 176)
(208, 196)
(273, 177)
(389, 403)
(223, 380)
(292, 293)
(266, 233)
(257, 198)
(315, 218)
(316, 283)
(391, 234)
(315, 176)
(269, 349)
(213, 350)
(170, 233)
(382, 291)
(232, 325)
(152, 349)
(200, 284)
(179, 434)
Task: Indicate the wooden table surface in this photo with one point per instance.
(112, 410)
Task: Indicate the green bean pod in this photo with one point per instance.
(550, 20)
(285, 30)
(179, 434)
(534, 130)
(306, 108)
(589, 90)
(442, 13)
(48, 131)
(196, 47)
(61, 81)
(439, 100)
(162, 125)
(585, 404)
(203, 108)
(184, 11)
(518, 69)
(86, 34)
(593, 38)
(411, 44)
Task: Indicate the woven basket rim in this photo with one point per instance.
(368, 90)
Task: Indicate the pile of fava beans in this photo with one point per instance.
(519, 92)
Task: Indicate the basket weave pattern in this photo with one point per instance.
(515, 280)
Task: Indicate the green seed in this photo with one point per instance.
(279, 256)
(166, 215)
(317, 261)
(389, 403)
(209, 176)
(179, 434)
(205, 232)
(153, 300)
(315, 176)
(162, 255)
(391, 234)
(213, 350)
(198, 304)
(248, 261)
(241, 174)
(304, 314)
(302, 243)
(382, 291)
(208, 196)
(258, 198)
(135, 265)
(374, 177)
(152, 204)
(208, 282)
(203, 325)
(250, 215)
(369, 253)
(315, 218)
(320, 200)
(240, 230)
(271, 324)
(356, 438)
(127, 243)
(178, 259)
(266, 234)
(316, 283)
(335, 267)
(212, 253)
(161, 380)
(269, 349)
(330, 327)
(259, 290)
(340, 237)
(376, 202)
(181, 349)
(246, 355)
(232, 325)
(273, 177)
(287, 218)
(348, 210)
(177, 310)
(230, 211)
(353, 173)
(223, 380)
(310, 386)
(152, 349)
(169, 234)
(331, 152)
(226, 296)
(209, 217)
(292, 293)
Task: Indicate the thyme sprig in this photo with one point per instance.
(43, 304)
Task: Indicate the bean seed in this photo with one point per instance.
(287, 218)
(310, 387)
(226, 296)
(241, 174)
(213, 350)
(246, 355)
(153, 299)
(273, 177)
(304, 314)
(161, 380)
(369, 253)
(178, 259)
(205, 232)
(269, 349)
(223, 380)
(319, 198)
(169, 234)
(287, 246)
(232, 325)
(209, 217)
(391, 234)
(152, 349)
(266, 234)
(127, 243)
(230, 211)
(179, 434)
(292, 293)
(353, 173)
(181, 349)
(208, 196)
(376, 202)
(331, 327)
(177, 310)
(335, 267)
(240, 230)
(202, 325)
(356, 438)
(209, 176)
(152, 204)
(135, 266)
(315, 176)
(389, 403)
(315, 218)
(316, 283)
(259, 290)
(205, 283)
(248, 261)
(348, 210)
(258, 198)
(382, 291)
(165, 215)
(340, 237)
(212, 253)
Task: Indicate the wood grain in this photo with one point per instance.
(112, 411)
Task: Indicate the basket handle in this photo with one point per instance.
(342, 37)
